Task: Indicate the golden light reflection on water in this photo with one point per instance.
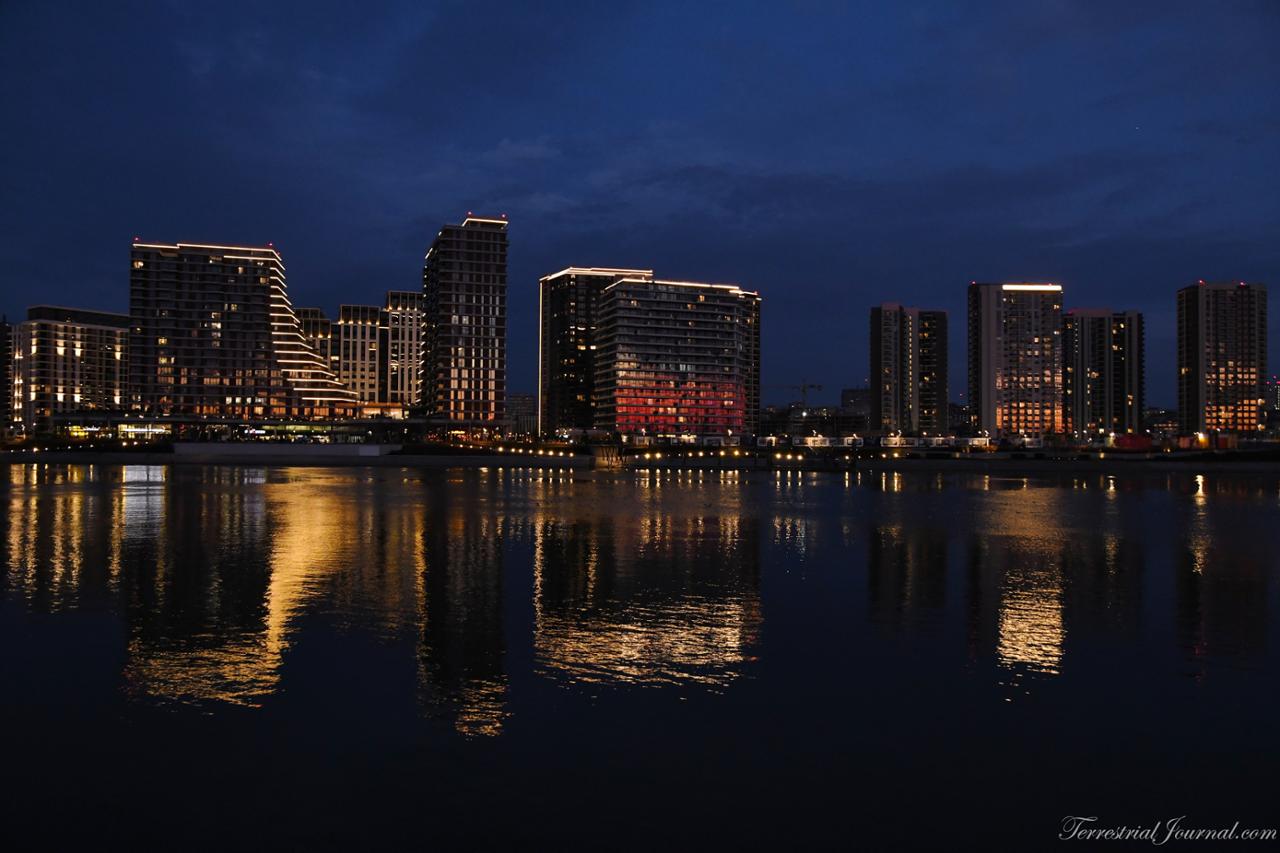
(1031, 631)
(651, 581)
(671, 600)
(283, 538)
(1025, 539)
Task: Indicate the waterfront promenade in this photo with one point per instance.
(395, 456)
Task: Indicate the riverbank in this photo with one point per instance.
(294, 459)
(304, 456)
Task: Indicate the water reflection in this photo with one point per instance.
(673, 600)
(906, 574)
(462, 653)
(219, 577)
(1015, 572)
(1221, 586)
(482, 581)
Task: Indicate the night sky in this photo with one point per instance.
(830, 155)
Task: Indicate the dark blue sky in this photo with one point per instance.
(830, 155)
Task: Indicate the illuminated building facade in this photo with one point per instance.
(908, 370)
(677, 358)
(361, 346)
(1103, 371)
(6, 373)
(213, 334)
(1015, 359)
(568, 311)
(1222, 357)
(68, 360)
(464, 345)
(403, 349)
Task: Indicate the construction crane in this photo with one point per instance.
(804, 388)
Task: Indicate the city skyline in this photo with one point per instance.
(211, 331)
(983, 158)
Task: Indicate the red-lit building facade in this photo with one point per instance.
(676, 358)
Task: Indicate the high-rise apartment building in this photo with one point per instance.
(403, 350)
(908, 370)
(464, 346)
(361, 332)
(1103, 371)
(568, 311)
(677, 358)
(6, 374)
(1015, 359)
(67, 360)
(213, 334)
(1222, 357)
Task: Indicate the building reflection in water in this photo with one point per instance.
(668, 597)
(225, 569)
(219, 575)
(63, 535)
(461, 661)
(1016, 579)
(1221, 580)
(906, 574)
(215, 574)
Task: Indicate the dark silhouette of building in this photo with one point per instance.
(908, 370)
(855, 410)
(317, 331)
(1103, 371)
(568, 308)
(213, 333)
(464, 344)
(1222, 357)
(522, 413)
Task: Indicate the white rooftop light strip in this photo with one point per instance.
(1044, 288)
(597, 271)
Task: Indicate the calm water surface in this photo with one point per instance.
(268, 657)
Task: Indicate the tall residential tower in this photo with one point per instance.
(677, 358)
(1103, 366)
(1015, 358)
(568, 312)
(464, 345)
(908, 370)
(1222, 357)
